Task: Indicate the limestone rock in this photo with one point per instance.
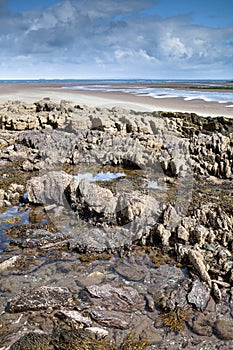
(199, 295)
(48, 188)
(97, 198)
(197, 260)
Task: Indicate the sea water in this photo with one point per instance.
(160, 92)
(113, 85)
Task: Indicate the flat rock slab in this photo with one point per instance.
(113, 319)
(117, 298)
(40, 238)
(42, 298)
(100, 239)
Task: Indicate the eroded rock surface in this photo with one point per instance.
(127, 258)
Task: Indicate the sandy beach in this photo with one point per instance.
(56, 92)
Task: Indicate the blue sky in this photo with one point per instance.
(157, 39)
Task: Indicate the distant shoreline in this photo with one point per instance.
(31, 92)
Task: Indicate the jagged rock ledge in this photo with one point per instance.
(188, 216)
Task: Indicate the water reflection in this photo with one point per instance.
(154, 185)
(14, 216)
(101, 176)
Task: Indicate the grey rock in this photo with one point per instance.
(113, 319)
(144, 329)
(100, 239)
(49, 188)
(130, 271)
(74, 316)
(42, 298)
(117, 298)
(197, 260)
(9, 263)
(100, 333)
(42, 239)
(202, 324)
(97, 198)
(223, 329)
(199, 295)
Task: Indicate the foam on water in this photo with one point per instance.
(187, 95)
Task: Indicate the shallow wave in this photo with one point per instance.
(187, 95)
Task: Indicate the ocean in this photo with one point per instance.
(207, 90)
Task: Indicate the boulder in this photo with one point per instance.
(48, 188)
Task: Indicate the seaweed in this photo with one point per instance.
(174, 319)
(131, 343)
(87, 257)
(32, 341)
(73, 339)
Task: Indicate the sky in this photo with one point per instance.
(116, 39)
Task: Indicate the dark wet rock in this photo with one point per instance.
(113, 319)
(95, 277)
(42, 298)
(144, 329)
(95, 239)
(130, 271)
(223, 329)
(43, 239)
(202, 324)
(177, 297)
(199, 295)
(167, 275)
(116, 298)
(49, 188)
(162, 281)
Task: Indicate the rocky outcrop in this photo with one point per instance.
(137, 254)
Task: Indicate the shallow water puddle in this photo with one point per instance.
(154, 185)
(101, 176)
(13, 216)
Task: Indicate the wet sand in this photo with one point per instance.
(33, 92)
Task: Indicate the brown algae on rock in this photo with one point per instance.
(73, 339)
(174, 319)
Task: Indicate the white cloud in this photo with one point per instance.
(111, 37)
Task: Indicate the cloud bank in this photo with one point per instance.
(110, 39)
